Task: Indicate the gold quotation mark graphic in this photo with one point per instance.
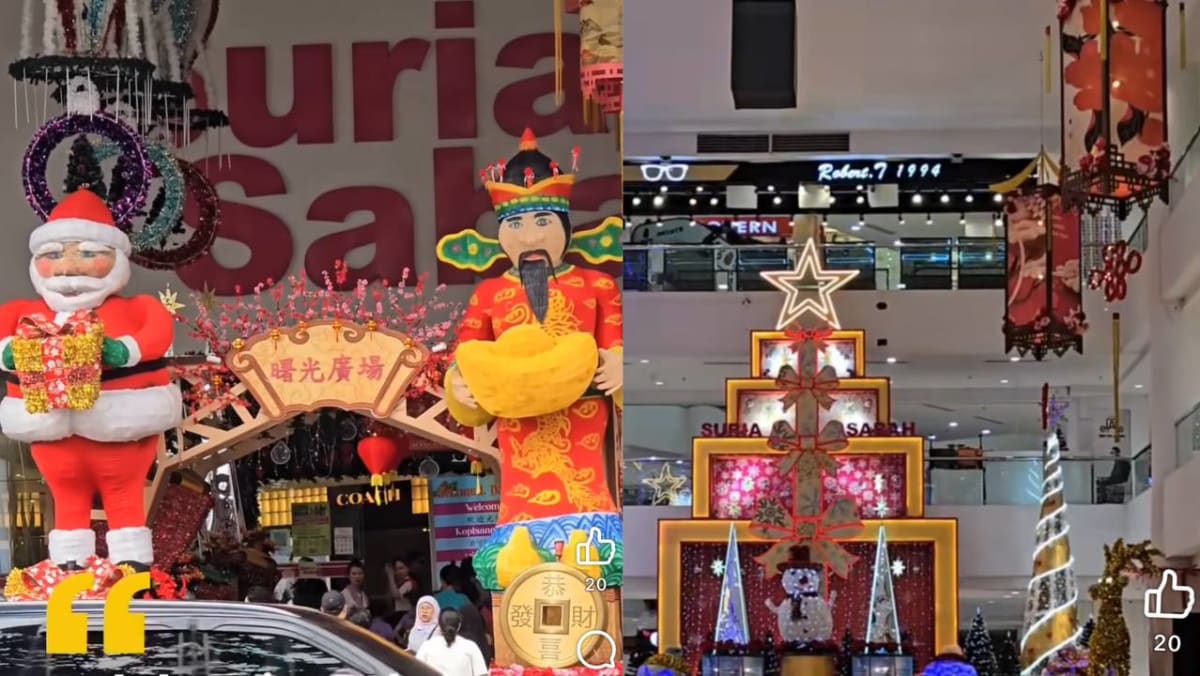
(124, 632)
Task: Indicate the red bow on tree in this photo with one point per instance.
(800, 337)
(820, 385)
(819, 534)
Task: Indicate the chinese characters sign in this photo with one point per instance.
(328, 364)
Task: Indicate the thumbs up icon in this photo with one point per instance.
(1154, 598)
(606, 550)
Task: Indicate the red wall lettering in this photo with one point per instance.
(515, 106)
(310, 118)
(376, 67)
(459, 202)
(391, 232)
(266, 235)
(456, 80)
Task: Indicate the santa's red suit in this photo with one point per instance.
(109, 449)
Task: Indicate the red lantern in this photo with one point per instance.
(381, 453)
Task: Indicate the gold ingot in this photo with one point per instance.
(527, 372)
(515, 557)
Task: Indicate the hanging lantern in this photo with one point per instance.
(1043, 298)
(381, 453)
(1114, 116)
(601, 54)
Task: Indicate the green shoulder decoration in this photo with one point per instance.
(469, 250)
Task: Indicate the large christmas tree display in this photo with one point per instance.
(979, 649)
(732, 624)
(807, 500)
(1050, 613)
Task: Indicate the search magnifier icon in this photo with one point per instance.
(611, 661)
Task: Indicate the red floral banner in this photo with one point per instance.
(1043, 300)
(1114, 90)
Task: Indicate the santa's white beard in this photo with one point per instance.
(68, 294)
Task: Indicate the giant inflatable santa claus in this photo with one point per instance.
(88, 385)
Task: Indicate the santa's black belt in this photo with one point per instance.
(108, 374)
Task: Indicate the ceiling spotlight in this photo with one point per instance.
(770, 188)
(997, 198)
(713, 201)
(962, 219)
(824, 222)
(659, 200)
(895, 243)
(928, 219)
(663, 189)
(892, 360)
(999, 222)
(860, 199)
(1014, 358)
(692, 224)
(933, 437)
(985, 432)
(699, 188)
(969, 199)
(692, 201)
(945, 198)
(900, 219)
(636, 201)
(832, 199)
(659, 383)
(917, 199)
(1137, 387)
(643, 361)
(778, 200)
(953, 424)
(859, 187)
(1004, 381)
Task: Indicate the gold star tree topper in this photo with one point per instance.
(809, 288)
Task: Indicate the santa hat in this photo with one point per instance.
(81, 217)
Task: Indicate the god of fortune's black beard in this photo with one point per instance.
(535, 272)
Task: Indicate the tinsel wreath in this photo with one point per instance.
(1109, 644)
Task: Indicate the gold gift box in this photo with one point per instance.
(81, 369)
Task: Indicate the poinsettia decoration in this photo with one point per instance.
(38, 582)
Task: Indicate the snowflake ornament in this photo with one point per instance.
(881, 508)
(898, 568)
(717, 567)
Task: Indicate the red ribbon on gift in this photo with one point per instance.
(57, 377)
(38, 582)
(807, 452)
(819, 534)
(820, 385)
(801, 336)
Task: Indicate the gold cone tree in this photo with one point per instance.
(1051, 623)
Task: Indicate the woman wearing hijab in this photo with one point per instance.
(421, 624)
(451, 654)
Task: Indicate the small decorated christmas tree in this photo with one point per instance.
(883, 626)
(1007, 655)
(772, 662)
(83, 168)
(732, 622)
(979, 649)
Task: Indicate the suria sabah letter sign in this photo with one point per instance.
(124, 632)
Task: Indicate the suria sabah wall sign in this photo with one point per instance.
(879, 429)
(727, 430)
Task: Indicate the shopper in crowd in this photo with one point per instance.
(383, 618)
(360, 618)
(451, 654)
(419, 625)
(333, 603)
(260, 594)
(356, 596)
(950, 662)
(450, 596)
(309, 587)
(474, 626)
(400, 584)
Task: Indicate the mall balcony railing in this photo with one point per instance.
(917, 263)
(990, 480)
